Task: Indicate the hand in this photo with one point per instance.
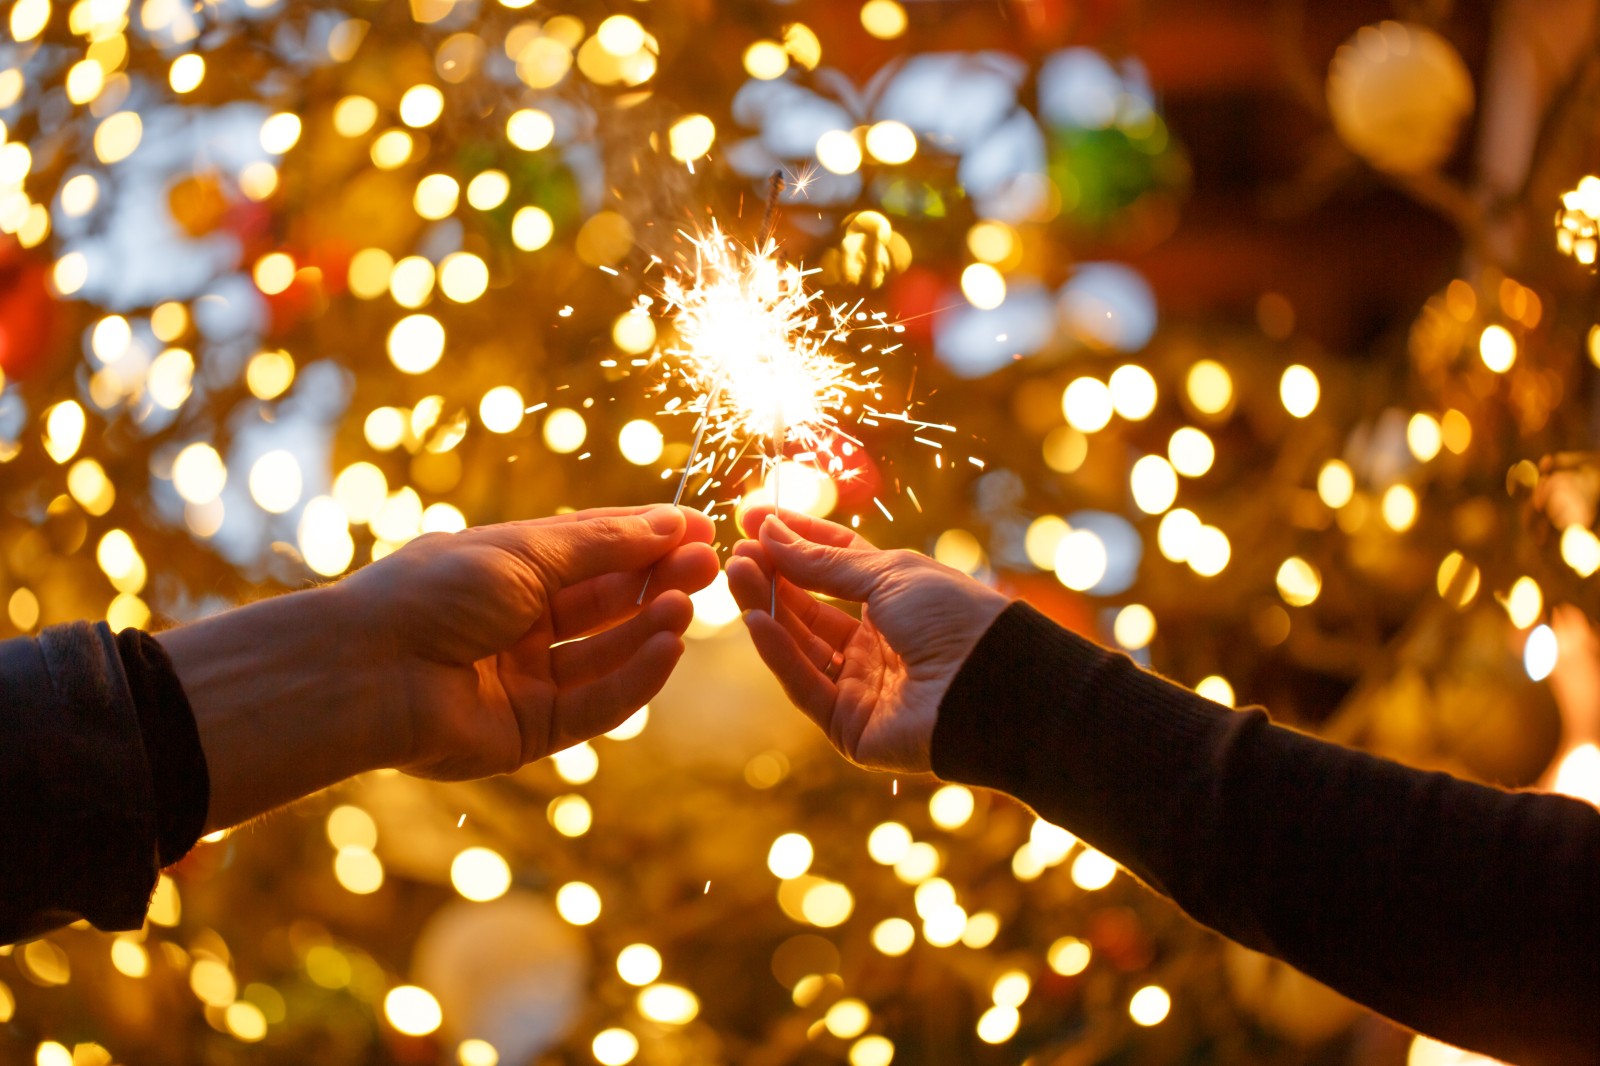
(873, 685)
(457, 656)
(484, 658)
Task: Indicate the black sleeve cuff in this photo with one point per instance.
(171, 744)
(1080, 733)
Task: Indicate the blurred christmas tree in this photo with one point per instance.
(284, 287)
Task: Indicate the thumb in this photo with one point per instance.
(575, 551)
(843, 573)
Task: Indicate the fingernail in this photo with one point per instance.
(663, 519)
(779, 532)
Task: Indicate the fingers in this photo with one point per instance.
(590, 709)
(567, 553)
(840, 572)
(807, 620)
(752, 591)
(607, 599)
(819, 530)
(807, 687)
(582, 661)
(700, 528)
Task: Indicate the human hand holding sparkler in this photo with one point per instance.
(458, 656)
(873, 685)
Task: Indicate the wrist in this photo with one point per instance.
(285, 695)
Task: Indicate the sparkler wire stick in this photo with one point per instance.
(769, 228)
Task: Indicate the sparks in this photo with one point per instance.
(757, 347)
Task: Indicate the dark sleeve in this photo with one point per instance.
(1466, 912)
(85, 825)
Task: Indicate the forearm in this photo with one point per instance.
(1464, 911)
(284, 693)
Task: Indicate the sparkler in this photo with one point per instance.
(760, 347)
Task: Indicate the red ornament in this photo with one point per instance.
(28, 315)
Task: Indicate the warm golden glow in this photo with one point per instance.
(475, 1052)
(1336, 485)
(1134, 627)
(532, 228)
(354, 115)
(1069, 956)
(501, 409)
(564, 430)
(1399, 508)
(391, 149)
(186, 73)
(480, 874)
(838, 152)
(691, 137)
(578, 903)
(412, 1010)
(118, 136)
(463, 277)
(1177, 535)
(891, 142)
(269, 374)
(1154, 483)
(894, 936)
(998, 1024)
(578, 764)
(1580, 549)
(766, 60)
(1299, 390)
(273, 273)
(614, 1047)
(1065, 449)
(1081, 560)
(1210, 551)
(959, 550)
(64, 425)
(1150, 1005)
(639, 964)
(358, 871)
(1498, 348)
(640, 442)
(872, 1050)
(421, 105)
(1456, 431)
(1210, 387)
(827, 904)
(530, 129)
(88, 484)
(275, 481)
(884, 19)
(1191, 452)
(1086, 403)
(668, 1004)
(1424, 436)
(1524, 603)
(888, 843)
(951, 807)
(790, 856)
(416, 344)
(437, 196)
(488, 190)
(1217, 689)
(1133, 392)
(1299, 583)
(280, 133)
(983, 286)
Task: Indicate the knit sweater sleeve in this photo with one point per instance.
(1463, 911)
(102, 777)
